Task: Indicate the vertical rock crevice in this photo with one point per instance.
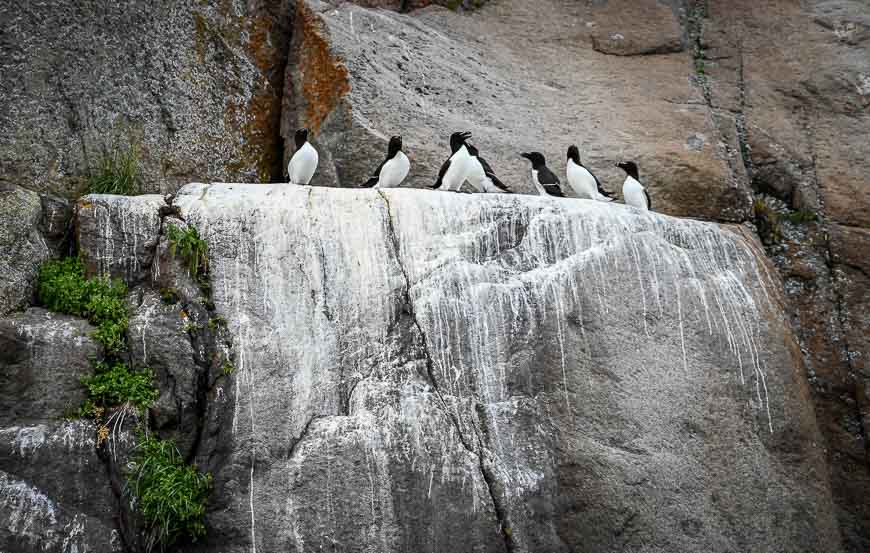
(492, 484)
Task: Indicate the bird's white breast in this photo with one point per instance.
(537, 183)
(632, 192)
(460, 166)
(581, 181)
(394, 171)
(303, 164)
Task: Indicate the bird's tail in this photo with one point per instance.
(498, 184)
(370, 183)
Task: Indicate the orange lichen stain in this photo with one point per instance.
(84, 204)
(324, 77)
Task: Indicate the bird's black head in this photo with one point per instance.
(574, 154)
(537, 159)
(301, 137)
(629, 167)
(457, 139)
(395, 146)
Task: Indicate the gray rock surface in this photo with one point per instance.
(520, 76)
(22, 248)
(54, 492)
(43, 356)
(116, 235)
(432, 371)
(195, 86)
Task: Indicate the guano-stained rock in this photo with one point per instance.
(117, 235)
(519, 373)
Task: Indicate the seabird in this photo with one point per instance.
(633, 191)
(481, 176)
(582, 181)
(544, 180)
(393, 170)
(457, 167)
(303, 164)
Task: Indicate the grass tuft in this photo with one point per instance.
(118, 173)
(190, 247)
(170, 494)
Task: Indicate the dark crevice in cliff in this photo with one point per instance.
(298, 440)
(492, 484)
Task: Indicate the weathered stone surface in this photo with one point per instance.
(116, 235)
(565, 374)
(520, 76)
(43, 357)
(793, 74)
(22, 249)
(632, 28)
(54, 493)
(195, 86)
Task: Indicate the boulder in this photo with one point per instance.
(117, 235)
(194, 87)
(520, 373)
(43, 356)
(54, 493)
(22, 248)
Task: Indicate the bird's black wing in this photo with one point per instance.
(487, 170)
(553, 190)
(545, 176)
(374, 178)
(441, 173)
(648, 201)
(601, 191)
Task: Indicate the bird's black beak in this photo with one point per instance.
(525, 155)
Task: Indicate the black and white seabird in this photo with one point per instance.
(545, 181)
(481, 176)
(303, 164)
(455, 170)
(582, 181)
(633, 191)
(393, 170)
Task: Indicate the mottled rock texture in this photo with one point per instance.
(22, 248)
(196, 86)
(439, 372)
(55, 494)
(116, 235)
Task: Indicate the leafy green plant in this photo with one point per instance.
(193, 249)
(170, 494)
(767, 222)
(116, 384)
(228, 368)
(118, 173)
(62, 287)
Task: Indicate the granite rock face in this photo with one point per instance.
(520, 76)
(432, 371)
(116, 235)
(55, 494)
(22, 247)
(195, 86)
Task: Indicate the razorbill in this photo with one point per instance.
(544, 180)
(303, 164)
(455, 170)
(582, 181)
(481, 176)
(393, 170)
(633, 191)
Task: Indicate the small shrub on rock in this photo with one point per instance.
(116, 384)
(62, 287)
(170, 494)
